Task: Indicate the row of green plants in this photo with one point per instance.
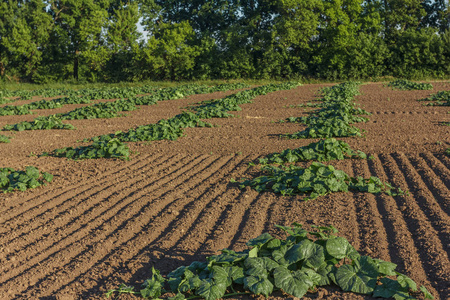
(93, 93)
(296, 265)
(74, 98)
(173, 128)
(441, 98)
(30, 178)
(134, 94)
(316, 180)
(323, 150)
(40, 123)
(404, 84)
(335, 117)
(105, 149)
(112, 109)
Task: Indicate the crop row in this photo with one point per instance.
(303, 261)
(112, 109)
(335, 117)
(172, 129)
(441, 98)
(403, 84)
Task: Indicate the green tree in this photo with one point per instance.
(82, 22)
(24, 32)
(169, 53)
(420, 53)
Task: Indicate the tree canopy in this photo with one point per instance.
(86, 40)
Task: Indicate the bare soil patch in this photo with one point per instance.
(105, 222)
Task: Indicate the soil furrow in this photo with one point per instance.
(438, 177)
(425, 238)
(226, 225)
(137, 218)
(94, 226)
(369, 219)
(71, 207)
(36, 208)
(402, 249)
(427, 199)
(444, 159)
(253, 223)
(157, 229)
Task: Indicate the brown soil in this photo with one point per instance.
(105, 222)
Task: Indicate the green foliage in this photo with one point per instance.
(101, 149)
(316, 180)
(170, 54)
(441, 98)
(4, 139)
(419, 53)
(12, 180)
(324, 150)
(99, 110)
(87, 40)
(108, 109)
(403, 84)
(10, 110)
(335, 117)
(302, 262)
(40, 123)
(172, 129)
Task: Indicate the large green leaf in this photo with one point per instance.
(311, 253)
(32, 172)
(278, 255)
(361, 277)
(260, 240)
(258, 285)
(152, 288)
(210, 290)
(295, 283)
(385, 267)
(259, 266)
(235, 274)
(340, 248)
(406, 282)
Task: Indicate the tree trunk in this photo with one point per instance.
(75, 65)
(2, 69)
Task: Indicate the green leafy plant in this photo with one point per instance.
(335, 117)
(40, 123)
(112, 109)
(324, 150)
(10, 110)
(172, 129)
(403, 84)
(441, 98)
(101, 149)
(4, 139)
(316, 180)
(12, 180)
(327, 128)
(296, 265)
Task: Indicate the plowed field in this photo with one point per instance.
(105, 222)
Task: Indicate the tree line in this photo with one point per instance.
(98, 40)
